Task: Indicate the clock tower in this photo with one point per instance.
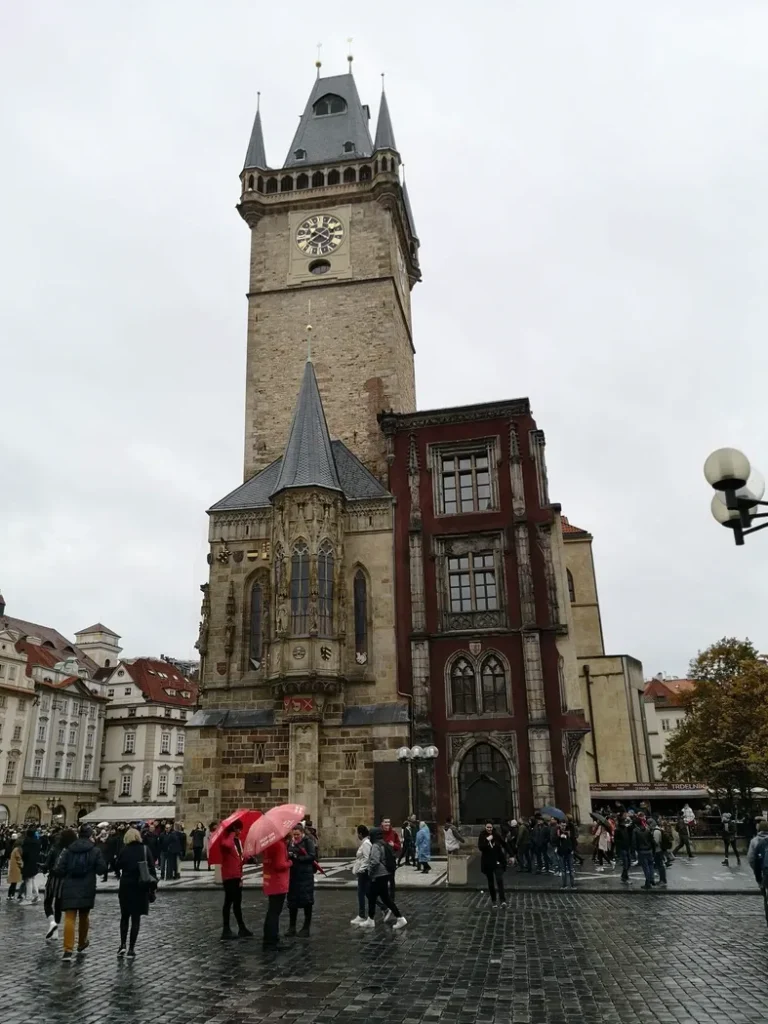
(332, 227)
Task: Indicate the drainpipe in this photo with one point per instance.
(588, 678)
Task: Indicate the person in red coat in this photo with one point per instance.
(276, 879)
(231, 852)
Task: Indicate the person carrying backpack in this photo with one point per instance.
(729, 838)
(78, 866)
(379, 866)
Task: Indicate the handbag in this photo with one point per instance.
(144, 874)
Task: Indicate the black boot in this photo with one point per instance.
(227, 933)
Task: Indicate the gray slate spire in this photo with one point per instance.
(322, 137)
(256, 155)
(409, 211)
(308, 460)
(385, 136)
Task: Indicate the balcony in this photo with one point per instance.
(43, 785)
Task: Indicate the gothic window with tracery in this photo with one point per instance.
(325, 589)
(463, 696)
(300, 589)
(360, 595)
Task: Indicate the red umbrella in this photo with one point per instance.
(247, 817)
(271, 828)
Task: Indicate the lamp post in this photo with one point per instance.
(417, 757)
(52, 803)
(738, 492)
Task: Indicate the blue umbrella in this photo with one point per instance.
(553, 812)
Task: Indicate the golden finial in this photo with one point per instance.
(318, 62)
(350, 58)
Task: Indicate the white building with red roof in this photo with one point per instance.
(143, 757)
(664, 711)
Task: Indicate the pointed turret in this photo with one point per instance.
(256, 156)
(308, 460)
(385, 136)
(334, 125)
(409, 212)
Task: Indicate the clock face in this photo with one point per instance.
(320, 234)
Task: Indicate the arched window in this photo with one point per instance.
(302, 181)
(250, 181)
(259, 184)
(571, 588)
(375, 166)
(300, 589)
(365, 173)
(325, 587)
(350, 174)
(329, 104)
(333, 178)
(494, 685)
(463, 696)
(33, 813)
(106, 663)
(271, 185)
(286, 185)
(318, 179)
(256, 634)
(360, 595)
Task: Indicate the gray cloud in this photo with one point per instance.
(589, 190)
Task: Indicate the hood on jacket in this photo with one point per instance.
(376, 834)
(81, 846)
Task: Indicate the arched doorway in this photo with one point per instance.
(33, 813)
(4, 814)
(59, 814)
(485, 786)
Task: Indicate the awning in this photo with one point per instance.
(128, 812)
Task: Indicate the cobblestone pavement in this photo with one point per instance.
(549, 958)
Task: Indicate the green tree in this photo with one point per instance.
(723, 739)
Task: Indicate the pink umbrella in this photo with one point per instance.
(271, 828)
(246, 817)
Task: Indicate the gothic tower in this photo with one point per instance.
(332, 226)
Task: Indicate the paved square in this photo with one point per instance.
(550, 958)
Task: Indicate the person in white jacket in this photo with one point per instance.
(360, 868)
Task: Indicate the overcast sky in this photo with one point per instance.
(589, 186)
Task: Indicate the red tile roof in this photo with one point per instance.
(51, 638)
(569, 527)
(154, 677)
(36, 655)
(668, 692)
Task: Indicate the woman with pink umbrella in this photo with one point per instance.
(267, 837)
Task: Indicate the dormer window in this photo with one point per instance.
(300, 154)
(329, 104)
(349, 147)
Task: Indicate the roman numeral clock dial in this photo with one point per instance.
(320, 235)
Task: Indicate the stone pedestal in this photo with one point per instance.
(458, 868)
(303, 766)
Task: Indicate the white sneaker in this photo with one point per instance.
(387, 916)
(357, 920)
(369, 923)
(399, 923)
(53, 929)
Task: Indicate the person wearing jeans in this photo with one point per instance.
(624, 844)
(276, 876)
(379, 888)
(645, 849)
(360, 870)
(78, 866)
(658, 852)
(565, 847)
(493, 863)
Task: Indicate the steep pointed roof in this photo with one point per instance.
(256, 155)
(308, 460)
(385, 135)
(323, 137)
(409, 211)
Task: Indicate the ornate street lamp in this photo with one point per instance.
(738, 492)
(417, 758)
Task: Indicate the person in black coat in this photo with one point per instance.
(197, 835)
(134, 894)
(302, 853)
(30, 857)
(78, 866)
(52, 896)
(493, 862)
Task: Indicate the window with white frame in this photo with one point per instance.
(10, 773)
(41, 731)
(37, 767)
(89, 739)
(68, 770)
(465, 482)
(92, 712)
(165, 743)
(127, 691)
(3, 700)
(665, 725)
(168, 712)
(60, 735)
(472, 582)
(45, 704)
(12, 672)
(179, 742)
(129, 745)
(2, 670)
(72, 737)
(57, 768)
(86, 771)
(16, 733)
(110, 693)
(162, 784)
(75, 707)
(126, 784)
